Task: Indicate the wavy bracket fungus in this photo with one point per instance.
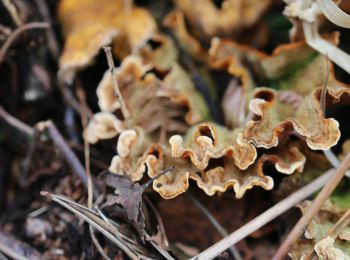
(208, 97)
(169, 119)
(273, 110)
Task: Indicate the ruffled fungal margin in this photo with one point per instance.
(158, 50)
(131, 159)
(210, 141)
(275, 120)
(175, 20)
(208, 20)
(146, 88)
(221, 174)
(227, 55)
(287, 67)
(137, 155)
(213, 171)
(317, 237)
(103, 125)
(86, 31)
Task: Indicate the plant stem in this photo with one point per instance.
(18, 31)
(111, 66)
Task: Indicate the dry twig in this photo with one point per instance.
(111, 66)
(51, 38)
(84, 121)
(28, 130)
(18, 31)
(11, 8)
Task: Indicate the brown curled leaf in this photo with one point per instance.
(97, 23)
(136, 156)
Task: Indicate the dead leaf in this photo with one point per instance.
(129, 196)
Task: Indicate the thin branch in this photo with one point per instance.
(84, 122)
(51, 37)
(265, 217)
(324, 90)
(17, 32)
(342, 223)
(334, 161)
(216, 224)
(111, 66)
(90, 188)
(6, 31)
(161, 173)
(97, 243)
(327, 190)
(70, 156)
(11, 8)
(11, 120)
